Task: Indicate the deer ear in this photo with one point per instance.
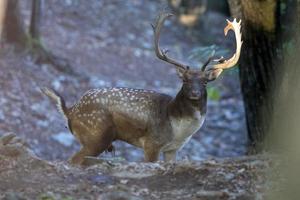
(180, 72)
(211, 75)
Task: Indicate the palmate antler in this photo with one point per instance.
(223, 63)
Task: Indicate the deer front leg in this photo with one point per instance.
(151, 152)
(151, 155)
(169, 155)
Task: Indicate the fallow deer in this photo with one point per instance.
(152, 121)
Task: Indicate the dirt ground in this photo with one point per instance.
(24, 176)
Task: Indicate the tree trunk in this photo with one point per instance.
(34, 29)
(286, 124)
(13, 30)
(3, 4)
(260, 57)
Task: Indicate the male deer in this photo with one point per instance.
(146, 119)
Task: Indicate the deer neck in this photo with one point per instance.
(183, 107)
(186, 118)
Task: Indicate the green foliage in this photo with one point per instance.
(213, 93)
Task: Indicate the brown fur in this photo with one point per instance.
(138, 117)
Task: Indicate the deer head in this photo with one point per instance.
(195, 80)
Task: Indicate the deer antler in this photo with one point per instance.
(162, 54)
(223, 63)
(208, 61)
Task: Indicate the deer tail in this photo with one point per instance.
(58, 99)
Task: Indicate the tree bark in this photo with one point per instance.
(34, 29)
(13, 30)
(3, 4)
(260, 58)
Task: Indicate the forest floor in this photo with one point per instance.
(24, 176)
(110, 43)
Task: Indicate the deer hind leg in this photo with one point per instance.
(93, 143)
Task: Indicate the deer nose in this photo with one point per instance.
(195, 92)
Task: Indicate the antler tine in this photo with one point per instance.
(236, 27)
(161, 54)
(208, 60)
